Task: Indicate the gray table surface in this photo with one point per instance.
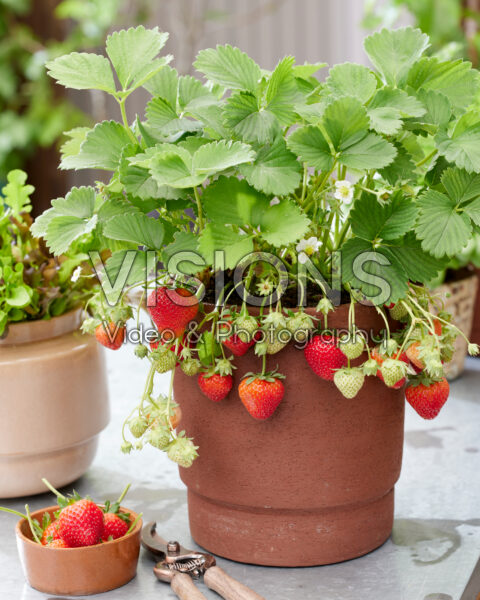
(430, 556)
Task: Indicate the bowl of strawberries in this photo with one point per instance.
(78, 547)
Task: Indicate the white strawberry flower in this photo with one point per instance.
(274, 201)
(344, 191)
(76, 274)
(306, 248)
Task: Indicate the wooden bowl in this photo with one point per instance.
(78, 571)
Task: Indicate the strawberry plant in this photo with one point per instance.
(279, 189)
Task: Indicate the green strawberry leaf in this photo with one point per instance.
(229, 67)
(245, 117)
(218, 156)
(163, 119)
(374, 221)
(136, 228)
(454, 79)
(133, 53)
(442, 229)
(282, 91)
(101, 148)
(82, 71)
(184, 242)
(275, 170)
(217, 237)
(310, 145)
(372, 272)
(393, 52)
(349, 79)
(283, 224)
(461, 147)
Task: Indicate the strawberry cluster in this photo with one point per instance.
(79, 522)
(414, 353)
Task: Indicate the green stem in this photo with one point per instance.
(199, 210)
(304, 186)
(125, 120)
(32, 526)
(123, 494)
(53, 490)
(427, 158)
(132, 526)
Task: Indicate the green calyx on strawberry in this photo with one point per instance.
(427, 395)
(182, 451)
(172, 309)
(349, 381)
(393, 371)
(370, 367)
(261, 393)
(216, 382)
(324, 356)
(352, 344)
(191, 366)
(300, 325)
(324, 306)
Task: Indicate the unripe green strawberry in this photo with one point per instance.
(141, 351)
(159, 437)
(389, 346)
(163, 360)
(299, 326)
(352, 346)
(276, 339)
(349, 381)
(398, 312)
(245, 327)
(190, 366)
(370, 367)
(393, 371)
(275, 318)
(137, 426)
(182, 451)
(126, 447)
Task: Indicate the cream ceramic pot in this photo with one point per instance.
(53, 404)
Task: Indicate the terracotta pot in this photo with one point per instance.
(459, 300)
(475, 335)
(53, 404)
(78, 571)
(312, 485)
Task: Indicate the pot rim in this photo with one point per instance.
(38, 513)
(37, 330)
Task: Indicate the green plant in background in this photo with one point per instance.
(370, 178)
(442, 20)
(31, 114)
(33, 283)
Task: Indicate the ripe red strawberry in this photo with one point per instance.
(111, 335)
(381, 358)
(261, 394)
(81, 523)
(413, 353)
(58, 543)
(324, 357)
(50, 533)
(237, 346)
(113, 526)
(427, 398)
(172, 309)
(215, 386)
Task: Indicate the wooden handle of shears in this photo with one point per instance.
(184, 587)
(228, 587)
